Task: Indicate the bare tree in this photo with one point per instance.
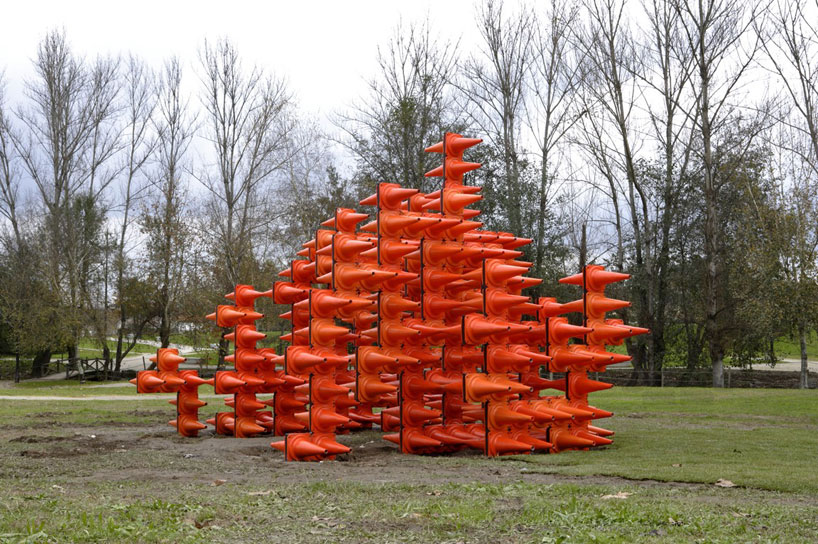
(492, 86)
(9, 174)
(611, 62)
(408, 108)
(10, 243)
(664, 73)
(308, 190)
(715, 31)
(552, 108)
(610, 136)
(69, 139)
(164, 221)
(139, 146)
(791, 52)
(797, 235)
(248, 128)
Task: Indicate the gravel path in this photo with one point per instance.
(104, 397)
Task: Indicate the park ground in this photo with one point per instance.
(107, 469)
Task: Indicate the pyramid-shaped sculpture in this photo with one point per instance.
(416, 323)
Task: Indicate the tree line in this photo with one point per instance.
(681, 136)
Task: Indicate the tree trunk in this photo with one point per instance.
(164, 327)
(224, 350)
(119, 355)
(540, 252)
(106, 356)
(803, 383)
(718, 372)
(40, 362)
(711, 240)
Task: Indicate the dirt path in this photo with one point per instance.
(119, 450)
(103, 397)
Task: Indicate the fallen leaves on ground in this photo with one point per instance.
(620, 495)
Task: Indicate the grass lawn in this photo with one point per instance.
(112, 471)
(790, 348)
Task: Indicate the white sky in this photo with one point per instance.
(325, 49)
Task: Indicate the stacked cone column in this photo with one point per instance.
(286, 401)
(446, 295)
(603, 332)
(167, 378)
(254, 369)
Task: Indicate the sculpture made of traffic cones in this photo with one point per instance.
(416, 322)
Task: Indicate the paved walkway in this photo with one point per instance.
(159, 396)
(783, 365)
(136, 362)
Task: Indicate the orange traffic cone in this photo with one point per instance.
(498, 301)
(370, 388)
(453, 168)
(453, 144)
(299, 447)
(417, 386)
(323, 332)
(414, 440)
(286, 293)
(167, 359)
(479, 388)
(596, 304)
(393, 305)
(564, 439)
(413, 414)
(559, 330)
(148, 381)
(597, 440)
(600, 431)
(245, 358)
(596, 278)
(245, 427)
(392, 194)
(227, 382)
(345, 219)
(328, 443)
(226, 316)
(187, 403)
(245, 336)
(245, 295)
(187, 425)
(393, 333)
(580, 385)
(501, 416)
(527, 438)
(495, 273)
(391, 251)
(502, 444)
(434, 279)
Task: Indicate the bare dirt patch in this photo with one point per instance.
(152, 453)
(64, 447)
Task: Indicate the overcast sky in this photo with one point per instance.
(325, 49)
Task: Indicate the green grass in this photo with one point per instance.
(753, 437)
(111, 471)
(790, 348)
(333, 512)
